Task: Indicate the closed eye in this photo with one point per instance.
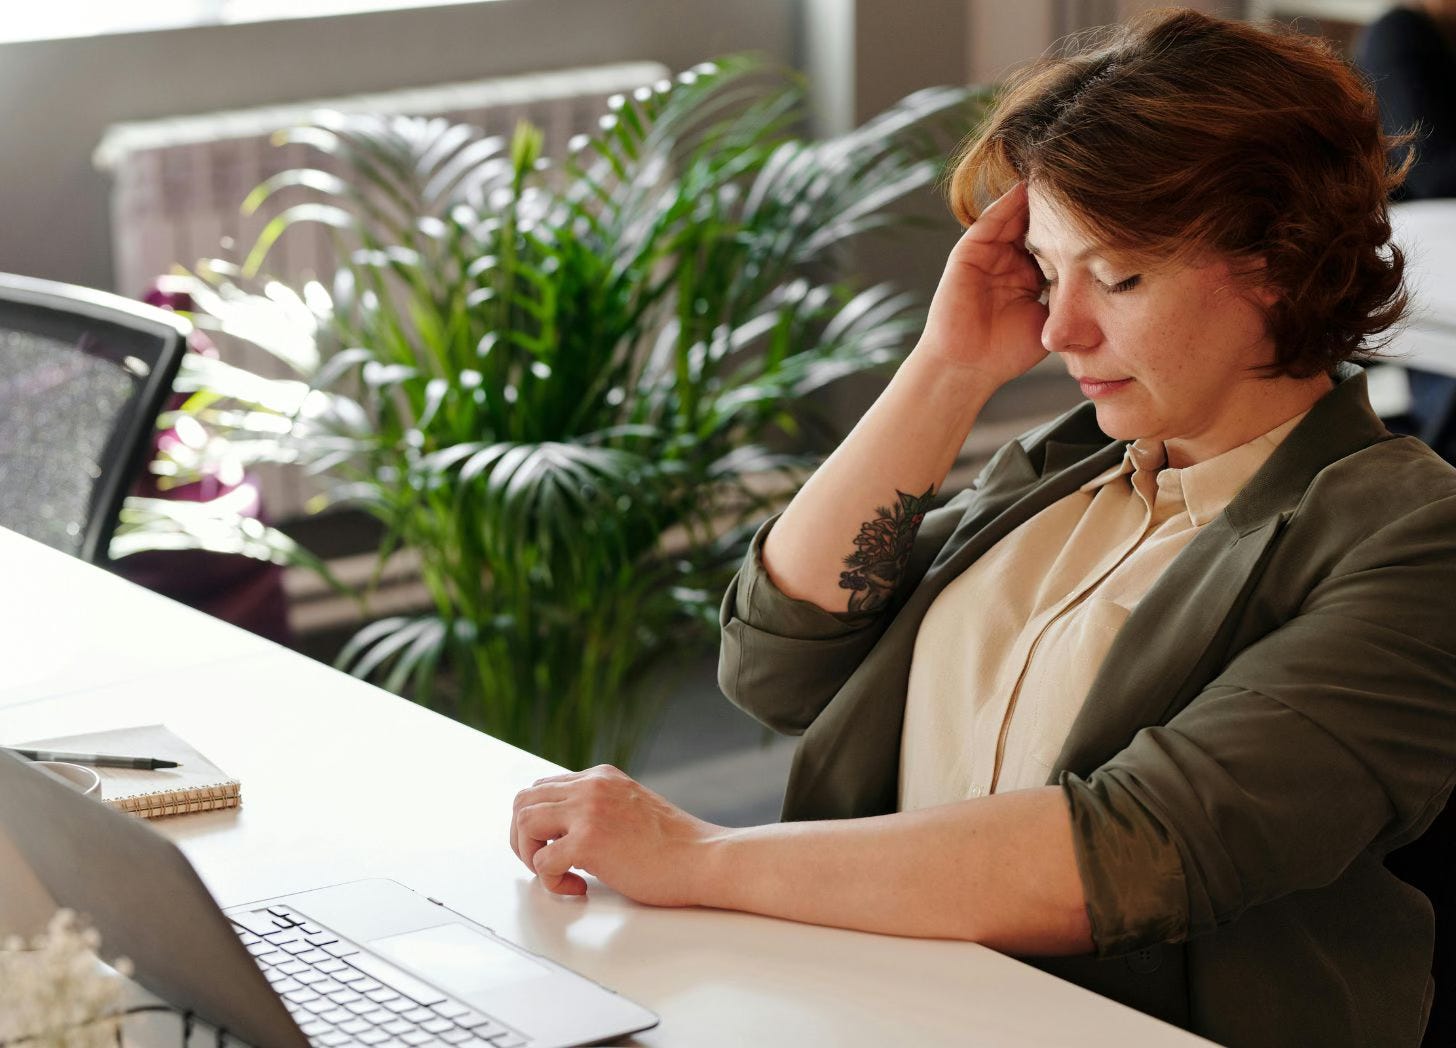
(1124, 285)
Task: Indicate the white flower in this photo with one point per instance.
(56, 993)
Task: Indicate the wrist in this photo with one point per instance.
(959, 388)
(714, 872)
(971, 376)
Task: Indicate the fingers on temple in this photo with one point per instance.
(1004, 219)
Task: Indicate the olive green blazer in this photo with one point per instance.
(1277, 713)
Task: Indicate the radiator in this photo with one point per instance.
(178, 183)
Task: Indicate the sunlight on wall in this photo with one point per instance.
(72, 18)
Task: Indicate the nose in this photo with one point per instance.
(1070, 325)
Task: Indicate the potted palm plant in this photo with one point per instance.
(556, 383)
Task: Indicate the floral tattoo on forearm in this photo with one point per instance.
(882, 549)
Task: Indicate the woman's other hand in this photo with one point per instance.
(987, 313)
(604, 822)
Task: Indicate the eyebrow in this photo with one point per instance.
(1032, 248)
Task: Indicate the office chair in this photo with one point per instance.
(1427, 864)
(83, 375)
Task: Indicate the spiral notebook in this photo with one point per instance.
(197, 785)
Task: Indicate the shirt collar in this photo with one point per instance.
(1147, 455)
(1206, 487)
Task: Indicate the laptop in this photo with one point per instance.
(368, 962)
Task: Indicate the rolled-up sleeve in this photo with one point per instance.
(782, 659)
(1334, 733)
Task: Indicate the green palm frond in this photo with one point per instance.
(556, 379)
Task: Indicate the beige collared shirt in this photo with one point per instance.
(1006, 654)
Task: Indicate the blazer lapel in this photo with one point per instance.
(1179, 635)
(1060, 456)
(1001, 511)
(1169, 645)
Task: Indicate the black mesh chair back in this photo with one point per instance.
(83, 375)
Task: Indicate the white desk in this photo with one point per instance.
(331, 795)
(1426, 231)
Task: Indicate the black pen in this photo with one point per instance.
(100, 760)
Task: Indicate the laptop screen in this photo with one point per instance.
(144, 899)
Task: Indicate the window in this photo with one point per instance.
(70, 18)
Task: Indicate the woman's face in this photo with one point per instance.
(1163, 352)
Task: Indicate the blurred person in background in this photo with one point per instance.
(1409, 54)
(1153, 701)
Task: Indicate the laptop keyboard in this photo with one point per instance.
(341, 996)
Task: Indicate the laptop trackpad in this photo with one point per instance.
(459, 959)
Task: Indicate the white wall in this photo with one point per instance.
(57, 97)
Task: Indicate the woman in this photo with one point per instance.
(1153, 698)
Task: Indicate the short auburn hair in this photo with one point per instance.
(1179, 135)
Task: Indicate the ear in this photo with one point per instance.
(1261, 289)
(1266, 295)
(1257, 287)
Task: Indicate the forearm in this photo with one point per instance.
(997, 870)
(906, 442)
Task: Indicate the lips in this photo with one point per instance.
(1101, 387)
